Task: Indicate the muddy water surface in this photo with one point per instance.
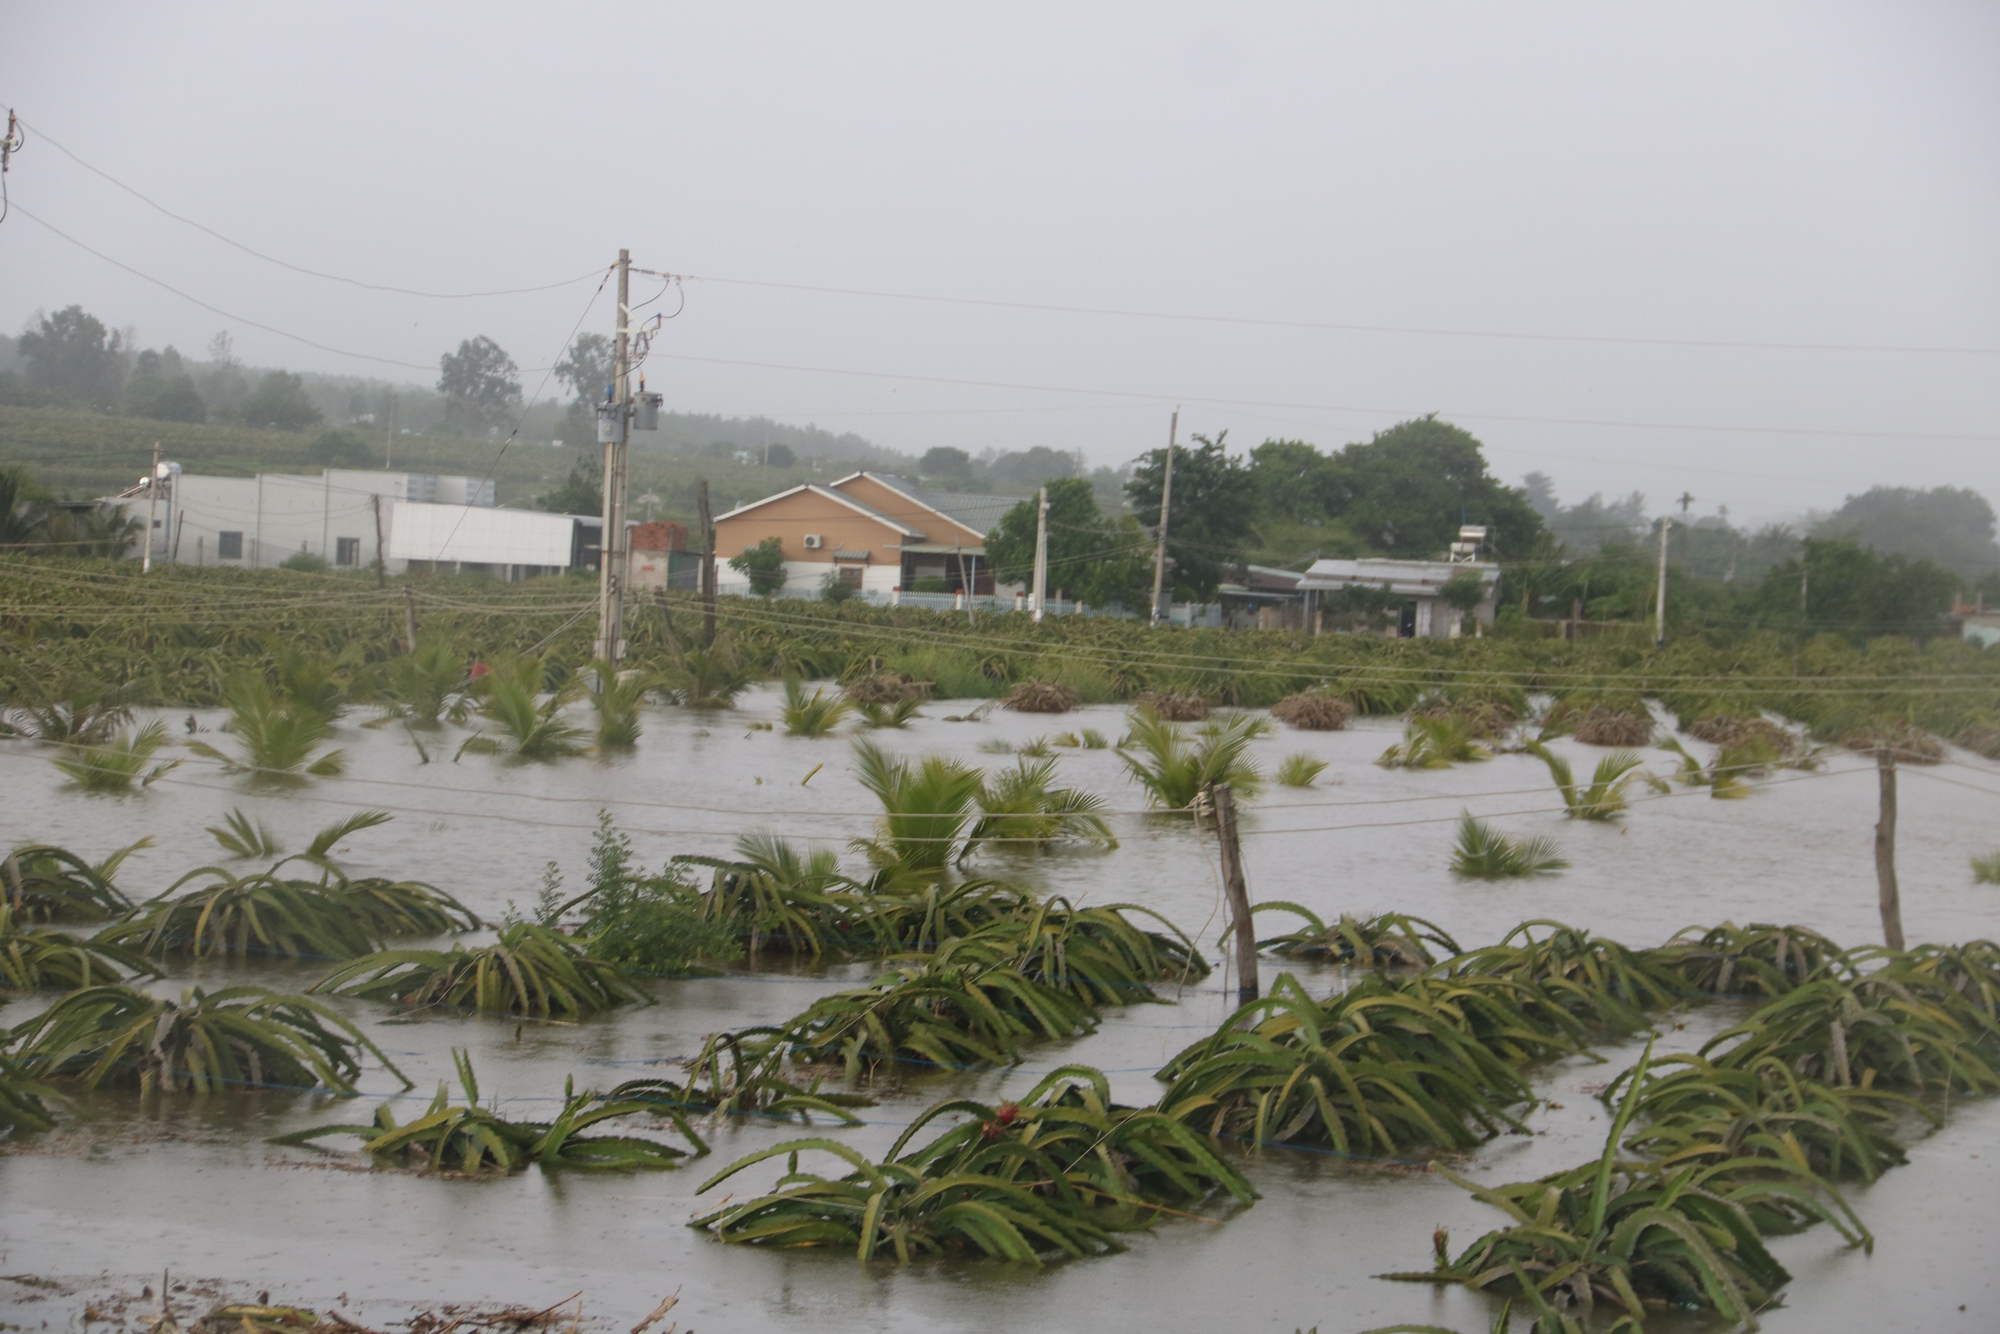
(123, 1191)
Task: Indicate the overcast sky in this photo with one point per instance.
(1818, 173)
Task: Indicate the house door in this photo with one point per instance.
(1406, 623)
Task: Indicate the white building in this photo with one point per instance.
(1416, 582)
(348, 517)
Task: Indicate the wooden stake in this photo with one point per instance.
(381, 573)
(1238, 890)
(1885, 851)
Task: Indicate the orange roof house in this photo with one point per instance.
(876, 531)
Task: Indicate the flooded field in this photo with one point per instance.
(122, 1191)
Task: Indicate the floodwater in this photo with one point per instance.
(121, 1191)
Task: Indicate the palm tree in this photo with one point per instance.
(427, 685)
(1609, 788)
(617, 697)
(1175, 767)
(274, 737)
(1022, 806)
(814, 715)
(531, 727)
(926, 806)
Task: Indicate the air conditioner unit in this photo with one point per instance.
(814, 541)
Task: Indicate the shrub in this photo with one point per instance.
(1986, 870)
(1032, 696)
(1174, 706)
(1433, 743)
(1176, 768)
(1610, 785)
(886, 688)
(1391, 940)
(1313, 711)
(275, 737)
(815, 715)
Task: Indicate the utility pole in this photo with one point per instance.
(1885, 849)
(152, 500)
(1660, 599)
(389, 440)
(1041, 553)
(381, 572)
(707, 521)
(1166, 499)
(410, 618)
(614, 427)
(1238, 890)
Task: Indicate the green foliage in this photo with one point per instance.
(1021, 806)
(1862, 591)
(639, 923)
(708, 678)
(1758, 960)
(1484, 853)
(76, 709)
(530, 970)
(1948, 526)
(1212, 511)
(275, 737)
(304, 561)
(896, 715)
(1098, 559)
(1175, 767)
(208, 1042)
(1986, 870)
(423, 687)
(1434, 743)
(927, 806)
(481, 386)
(1606, 796)
(1391, 940)
(814, 715)
(1634, 1235)
(1064, 1172)
(1385, 1067)
(763, 565)
(39, 958)
(1300, 770)
(114, 765)
(470, 1140)
(42, 883)
(21, 1109)
(529, 726)
(340, 449)
(278, 403)
(617, 698)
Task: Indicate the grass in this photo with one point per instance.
(1064, 1173)
(115, 764)
(208, 1042)
(1610, 785)
(1176, 766)
(1986, 870)
(814, 715)
(470, 1140)
(1300, 770)
(529, 970)
(1484, 853)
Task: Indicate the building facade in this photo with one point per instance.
(873, 531)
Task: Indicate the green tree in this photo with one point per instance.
(1029, 468)
(164, 399)
(339, 449)
(1211, 517)
(1293, 479)
(1839, 585)
(1950, 526)
(764, 564)
(72, 356)
(480, 384)
(582, 492)
(1096, 559)
(779, 456)
(21, 516)
(279, 403)
(945, 462)
(587, 369)
(1407, 491)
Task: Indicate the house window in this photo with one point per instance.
(850, 575)
(229, 546)
(346, 551)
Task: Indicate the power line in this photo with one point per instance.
(1325, 407)
(1422, 331)
(285, 264)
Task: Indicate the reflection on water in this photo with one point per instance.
(127, 1189)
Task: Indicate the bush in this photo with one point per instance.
(1032, 696)
(1313, 711)
(305, 561)
(1175, 706)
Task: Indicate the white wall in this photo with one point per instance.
(471, 535)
